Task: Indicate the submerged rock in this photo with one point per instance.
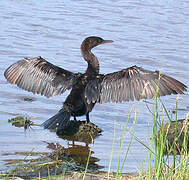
(21, 121)
(30, 99)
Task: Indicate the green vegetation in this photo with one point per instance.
(21, 121)
(169, 146)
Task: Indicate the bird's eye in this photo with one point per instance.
(99, 40)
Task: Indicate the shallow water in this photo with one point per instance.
(151, 34)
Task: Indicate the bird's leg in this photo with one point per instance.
(87, 118)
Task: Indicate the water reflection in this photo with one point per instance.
(72, 157)
(79, 154)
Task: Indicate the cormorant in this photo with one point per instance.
(39, 76)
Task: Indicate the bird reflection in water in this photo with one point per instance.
(77, 153)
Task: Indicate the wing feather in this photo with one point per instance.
(133, 83)
(39, 76)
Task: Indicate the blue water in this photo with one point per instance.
(151, 34)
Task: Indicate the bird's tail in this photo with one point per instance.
(59, 121)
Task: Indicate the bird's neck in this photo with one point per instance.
(93, 63)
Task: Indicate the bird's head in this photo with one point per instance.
(93, 41)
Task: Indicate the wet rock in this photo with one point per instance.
(173, 135)
(80, 131)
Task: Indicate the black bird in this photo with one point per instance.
(39, 76)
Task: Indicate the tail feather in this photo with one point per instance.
(59, 121)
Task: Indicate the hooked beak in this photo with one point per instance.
(107, 41)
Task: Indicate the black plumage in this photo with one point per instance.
(134, 83)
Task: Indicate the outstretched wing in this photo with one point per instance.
(39, 76)
(130, 84)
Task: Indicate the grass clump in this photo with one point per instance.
(170, 144)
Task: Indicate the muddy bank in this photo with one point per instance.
(79, 176)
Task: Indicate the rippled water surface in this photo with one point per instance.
(151, 34)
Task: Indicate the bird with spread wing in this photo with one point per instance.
(39, 76)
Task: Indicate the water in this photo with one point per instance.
(151, 34)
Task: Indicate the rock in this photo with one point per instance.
(80, 131)
(173, 136)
